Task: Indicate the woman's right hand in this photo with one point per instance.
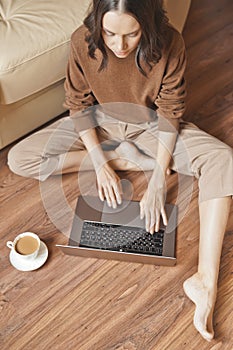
(109, 185)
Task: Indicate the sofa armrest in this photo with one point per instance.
(177, 11)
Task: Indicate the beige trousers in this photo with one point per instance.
(196, 153)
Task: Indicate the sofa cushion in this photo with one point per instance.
(35, 38)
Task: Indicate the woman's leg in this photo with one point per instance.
(201, 288)
(125, 157)
(211, 161)
(57, 149)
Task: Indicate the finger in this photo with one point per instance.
(169, 171)
(112, 197)
(101, 195)
(157, 224)
(152, 222)
(142, 211)
(107, 196)
(152, 230)
(118, 191)
(164, 216)
(147, 221)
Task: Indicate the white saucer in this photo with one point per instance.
(30, 265)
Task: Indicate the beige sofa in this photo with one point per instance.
(34, 46)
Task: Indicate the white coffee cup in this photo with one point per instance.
(26, 245)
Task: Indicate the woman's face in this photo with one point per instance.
(121, 33)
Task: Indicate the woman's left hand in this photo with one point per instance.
(152, 204)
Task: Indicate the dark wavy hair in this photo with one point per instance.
(150, 15)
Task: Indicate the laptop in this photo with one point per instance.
(99, 231)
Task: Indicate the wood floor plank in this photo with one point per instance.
(205, 19)
(77, 303)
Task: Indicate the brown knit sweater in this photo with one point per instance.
(163, 90)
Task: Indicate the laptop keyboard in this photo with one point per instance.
(121, 238)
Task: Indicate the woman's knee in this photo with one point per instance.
(221, 162)
(27, 161)
(216, 175)
(15, 161)
(20, 160)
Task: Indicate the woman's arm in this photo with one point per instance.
(170, 104)
(79, 98)
(166, 144)
(80, 101)
(108, 182)
(153, 201)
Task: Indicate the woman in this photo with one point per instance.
(124, 57)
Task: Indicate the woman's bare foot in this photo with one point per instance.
(204, 298)
(132, 158)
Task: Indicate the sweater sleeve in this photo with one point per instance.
(170, 101)
(78, 96)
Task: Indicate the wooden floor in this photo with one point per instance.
(87, 304)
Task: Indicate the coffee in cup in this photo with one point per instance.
(26, 245)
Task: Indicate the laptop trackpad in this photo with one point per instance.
(128, 213)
